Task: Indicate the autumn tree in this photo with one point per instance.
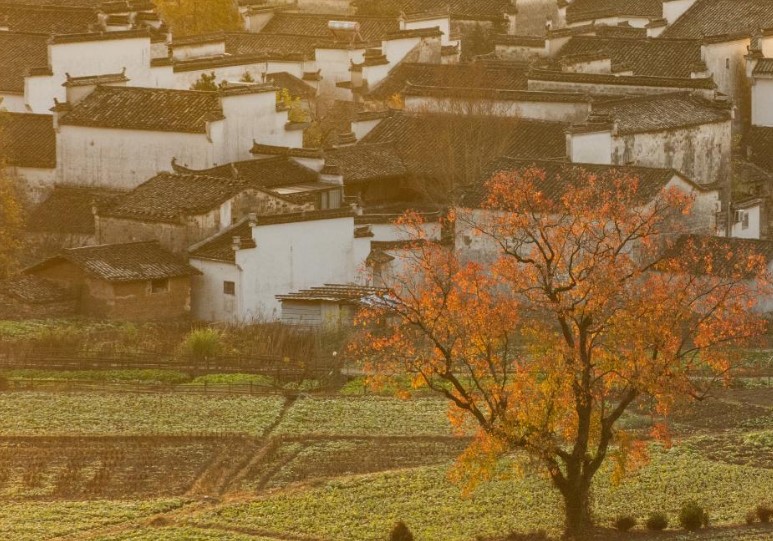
(586, 309)
(11, 212)
(191, 17)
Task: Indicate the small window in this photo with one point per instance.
(159, 286)
(727, 63)
(229, 288)
(745, 221)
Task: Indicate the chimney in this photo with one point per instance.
(236, 244)
(252, 219)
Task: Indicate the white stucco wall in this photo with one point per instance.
(762, 102)
(89, 58)
(12, 102)
(126, 158)
(334, 65)
(702, 153)
(590, 147)
(208, 301)
(754, 228)
(727, 64)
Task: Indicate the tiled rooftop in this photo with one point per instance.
(662, 112)
(649, 57)
(312, 24)
(711, 18)
(69, 210)
(128, 262)
(133, 108)
(585, 10)
(499, 75)
(18, 53)
(48, 19)
(28, 140)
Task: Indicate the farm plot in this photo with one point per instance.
(300, 459)
(77, 468)
(178, 534)
(59, 414)
(378, 416)
(363, 508)
(37, 521)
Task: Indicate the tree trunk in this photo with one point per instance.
(577, 508)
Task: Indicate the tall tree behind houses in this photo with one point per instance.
(191, 17)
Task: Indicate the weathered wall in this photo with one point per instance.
(210, 303)
(727, 64)
(762, 102)
(531, 109)
(701, 153)
(135, 301)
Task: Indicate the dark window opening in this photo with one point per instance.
(159, 286)
(229, 288)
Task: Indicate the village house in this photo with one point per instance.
(182, 209)
(36, 70)
(129, 281)
(652, 183)
(245, 267)
(636, 13)
(121, 136)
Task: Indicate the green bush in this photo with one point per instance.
(657, 522)
(400, 532)
(625, 523)
(692, 516)
(764, 513)
(203, 344)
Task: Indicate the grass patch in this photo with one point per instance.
(108, 376)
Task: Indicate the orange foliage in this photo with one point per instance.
(589, 307)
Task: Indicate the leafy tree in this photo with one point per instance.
(296, 113)
(475, 42)
(191, 17)
(206, 82)
(585, 309)
(11, 215)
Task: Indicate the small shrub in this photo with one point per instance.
(764, 513)
(159, 522)
(625, 523)
(657, 522)
(3, 383)
(751, 517)
(203, 344)
(692, 516)
(400, 532)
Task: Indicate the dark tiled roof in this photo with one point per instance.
(584, 10)
(48, 19)
(311, 24)
(426, 142)
(123, 262)
(499, 75)
(366, 162)
(719, 17)
(760, 141)
(270, 45)
(19, 53)
(28, 140)
(650, 57)
(764, 67)
(108, 6)
(220, 247)
(297, 87)
(167, 197)
(154, 109)
(333, 293)
(559, 175)
(34, 290)
(69, 210)
(681, 83)
(662, 112)
(263, 173)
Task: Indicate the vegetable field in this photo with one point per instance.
(139, 467)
